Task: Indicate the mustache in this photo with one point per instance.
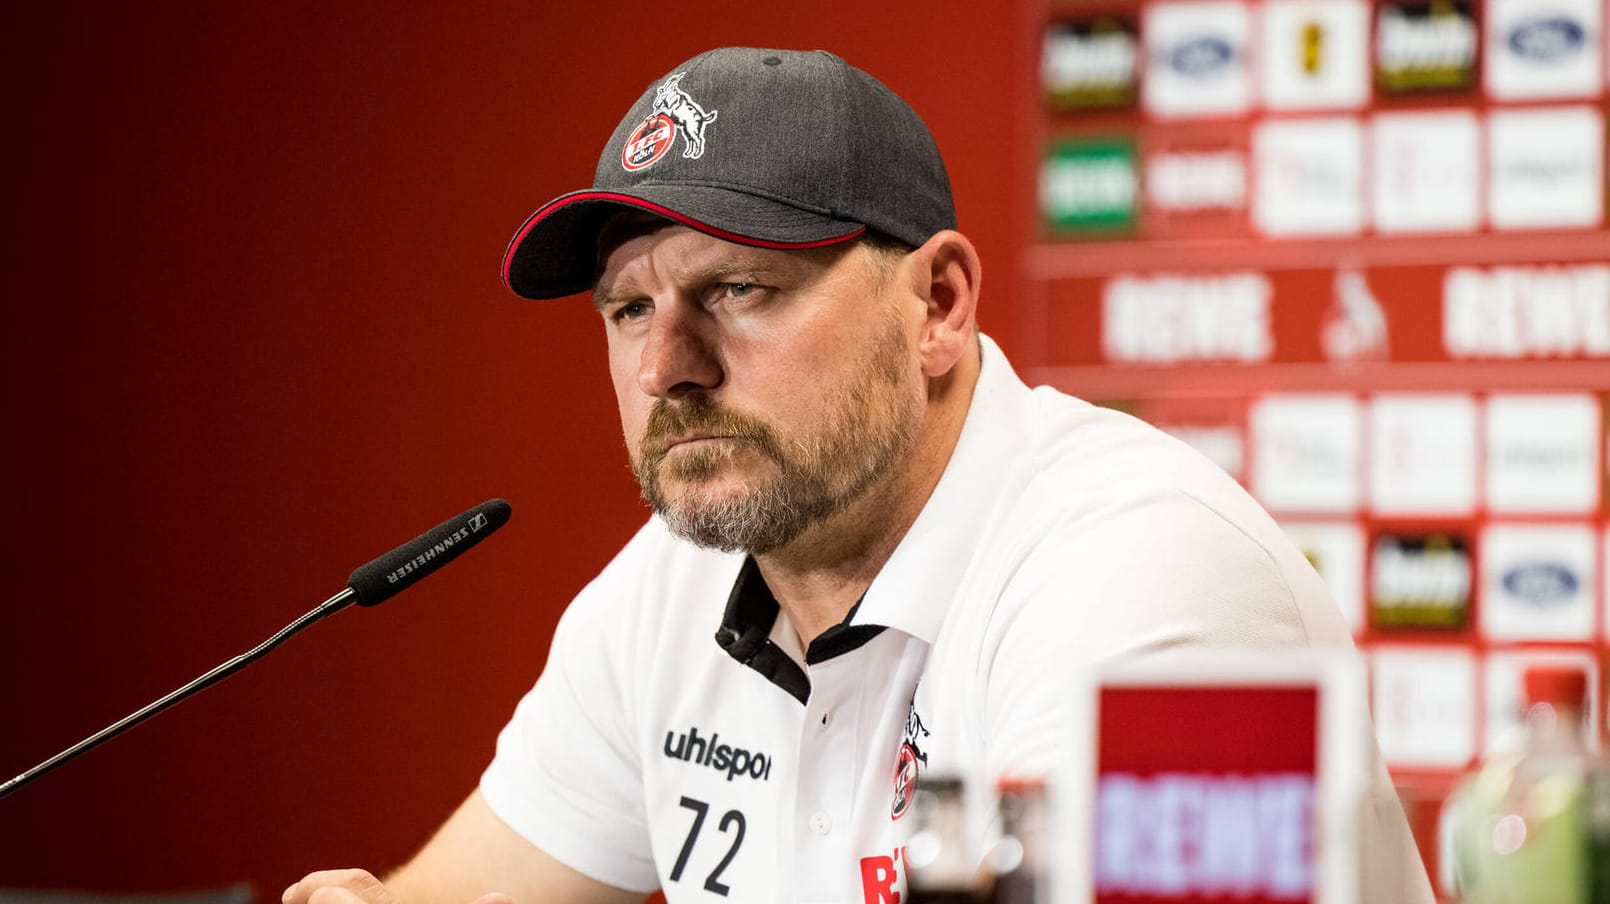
(699, 414)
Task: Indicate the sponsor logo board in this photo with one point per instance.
(1089, 185)
(1545, 167)
(1425, 46)
(1542, 453)
(1425, 173)
(1188, 812)
(1308, 177)
(1537, 582)
(1422, 454)
(1195, 180)
(1196, 59)
(1314, 54)
(1543, 50)
(1420, 580)
(1089, 63)
(1428, 313)
(1305, 452)
(1423, 700)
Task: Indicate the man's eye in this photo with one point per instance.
(739, 289)
(629, 311)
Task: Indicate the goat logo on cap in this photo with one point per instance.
(674, 111)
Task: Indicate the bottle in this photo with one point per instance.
(1017, 862)
(940, 868)
(1524, 826)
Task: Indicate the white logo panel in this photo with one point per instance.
(1546, 167)
(1422, 455)
(1537, 582)
(1542, 453)
(1543, 49)
(1425, 171)
(1305, 452)
(1196, 59)
(1424, 703)
(1309, 177)
(1315, 54)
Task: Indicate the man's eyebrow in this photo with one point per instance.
(734, 268)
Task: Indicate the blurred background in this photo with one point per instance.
(1354, 250)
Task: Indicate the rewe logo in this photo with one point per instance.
(1181, 835)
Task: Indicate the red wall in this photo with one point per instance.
(255, 336)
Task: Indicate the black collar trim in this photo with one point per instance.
(746, 628)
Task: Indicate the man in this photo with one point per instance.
(905, 555)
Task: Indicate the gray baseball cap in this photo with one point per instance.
(775, 148)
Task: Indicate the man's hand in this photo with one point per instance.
(472, 852)
(355, 886)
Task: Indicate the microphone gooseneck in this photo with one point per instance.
(369, 585)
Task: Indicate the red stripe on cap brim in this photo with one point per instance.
(630, 201)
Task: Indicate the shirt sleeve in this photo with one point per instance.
(1162, 572)
(567, 774)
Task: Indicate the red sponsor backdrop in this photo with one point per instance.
(1362, 201)
(256, 336)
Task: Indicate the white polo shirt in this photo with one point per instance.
(651, 754)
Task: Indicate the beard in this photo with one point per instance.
(872, 427)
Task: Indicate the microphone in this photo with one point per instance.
(368, 585)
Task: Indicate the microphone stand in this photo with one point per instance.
(330, 606)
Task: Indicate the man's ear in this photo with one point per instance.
(945, 273)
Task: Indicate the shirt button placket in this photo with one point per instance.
(821, 823)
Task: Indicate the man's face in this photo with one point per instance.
(761, 391)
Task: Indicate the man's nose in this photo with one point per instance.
(679, 356)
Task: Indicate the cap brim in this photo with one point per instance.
(556, 252)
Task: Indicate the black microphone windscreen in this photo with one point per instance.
(409, 563)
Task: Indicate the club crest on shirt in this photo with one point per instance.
(674, 113)
(908, 763)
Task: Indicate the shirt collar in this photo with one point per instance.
(914, 589)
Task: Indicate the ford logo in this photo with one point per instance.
(1547, 39)
(1201, 56)
(1541, 583)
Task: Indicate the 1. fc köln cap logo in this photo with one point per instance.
(755, 177)
(674, 112)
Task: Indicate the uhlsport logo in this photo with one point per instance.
(673, 112)
(690, 747)
(909, 763)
